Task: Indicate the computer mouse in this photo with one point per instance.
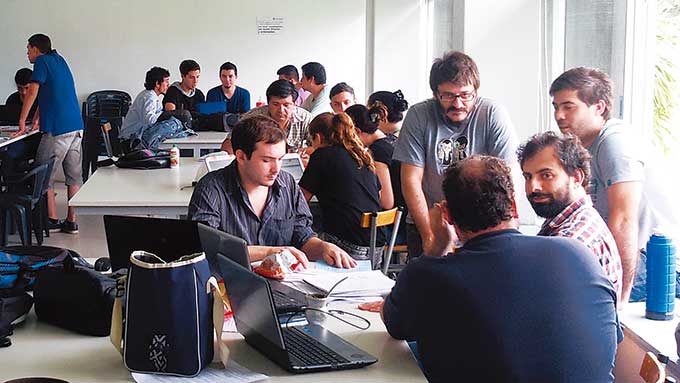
(102, 264)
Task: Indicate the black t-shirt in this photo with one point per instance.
(15, 99)
(382, 150)
(344, 191)
(182, 101)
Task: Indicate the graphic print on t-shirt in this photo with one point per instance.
(450, 150)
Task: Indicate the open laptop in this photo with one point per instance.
(292, 163)
(169, 239)
(307, 348)
(217, 243)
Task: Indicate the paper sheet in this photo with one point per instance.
(361, 266)
(234, 374)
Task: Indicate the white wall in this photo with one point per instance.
(111, 45)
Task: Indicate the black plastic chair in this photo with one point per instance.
(101, 107)
(25, 198)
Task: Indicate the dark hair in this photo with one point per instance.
(394, 102)
(42, 42)
(249, 131)
(316, 70)
(290, 71)
(338, 129)
(361, 118)
(591, 85)
(282, 89)
(339, 88)
(154, 76)
(187, 66)
(229, 66)
(455, 67)
(571, 154)
(23, 76)
(479, 192)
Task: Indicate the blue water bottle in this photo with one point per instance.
(660, 277)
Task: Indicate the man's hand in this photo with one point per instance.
(22, 129)
(35, 125)
(298, 254)
(443, 234)
(374, 307)
(337, 257)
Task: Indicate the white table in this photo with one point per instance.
(196, 146)
(159, 192)
(642, 335)
(39, 349)
(4, 142)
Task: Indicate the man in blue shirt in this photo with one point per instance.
(505, 307)
(236, 98)
(58, 117)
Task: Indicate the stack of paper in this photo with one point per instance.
(359, 284)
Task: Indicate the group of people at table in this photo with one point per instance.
(481, 300)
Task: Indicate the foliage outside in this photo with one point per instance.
(667, 76)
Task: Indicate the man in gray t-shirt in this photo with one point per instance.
(621, 179)
(454, 124)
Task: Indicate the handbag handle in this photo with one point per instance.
(218, 320)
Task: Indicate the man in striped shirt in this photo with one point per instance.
(557, 171)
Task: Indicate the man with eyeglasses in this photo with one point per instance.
(453, 125)
(293, 120)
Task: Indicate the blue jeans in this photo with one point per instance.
(152, 136)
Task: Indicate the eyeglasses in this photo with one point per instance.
(451, 97)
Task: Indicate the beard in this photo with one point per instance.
(548, 209)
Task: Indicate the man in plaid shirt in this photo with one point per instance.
(557, 171)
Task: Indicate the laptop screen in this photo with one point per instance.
(251, 302)
(217, 243)
(293, 165)
(167, 238)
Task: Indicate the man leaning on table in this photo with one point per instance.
(253, 199)
(506, 307)
(58, 117)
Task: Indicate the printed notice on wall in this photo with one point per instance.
(269, 25)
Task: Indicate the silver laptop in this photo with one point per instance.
(292, 163)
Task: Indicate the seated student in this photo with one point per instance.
(253, 199)
(184, 95)
(342, 97)
(396, 106)
(281, 96)
(236, 98)
(375, 140)
(341, 174)
(556, 172)
(146, 120)
(314, 82)
(506, 306)
(22, 79)
(290, 73)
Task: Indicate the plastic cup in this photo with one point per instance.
(317, 302)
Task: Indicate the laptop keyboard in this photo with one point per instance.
(284, 303)
(308, 350)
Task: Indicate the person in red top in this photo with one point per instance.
(557, 172)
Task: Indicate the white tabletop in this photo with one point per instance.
(39, 349)
(200, 138)
(654, 335)
(160, 192)
(4, 142)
